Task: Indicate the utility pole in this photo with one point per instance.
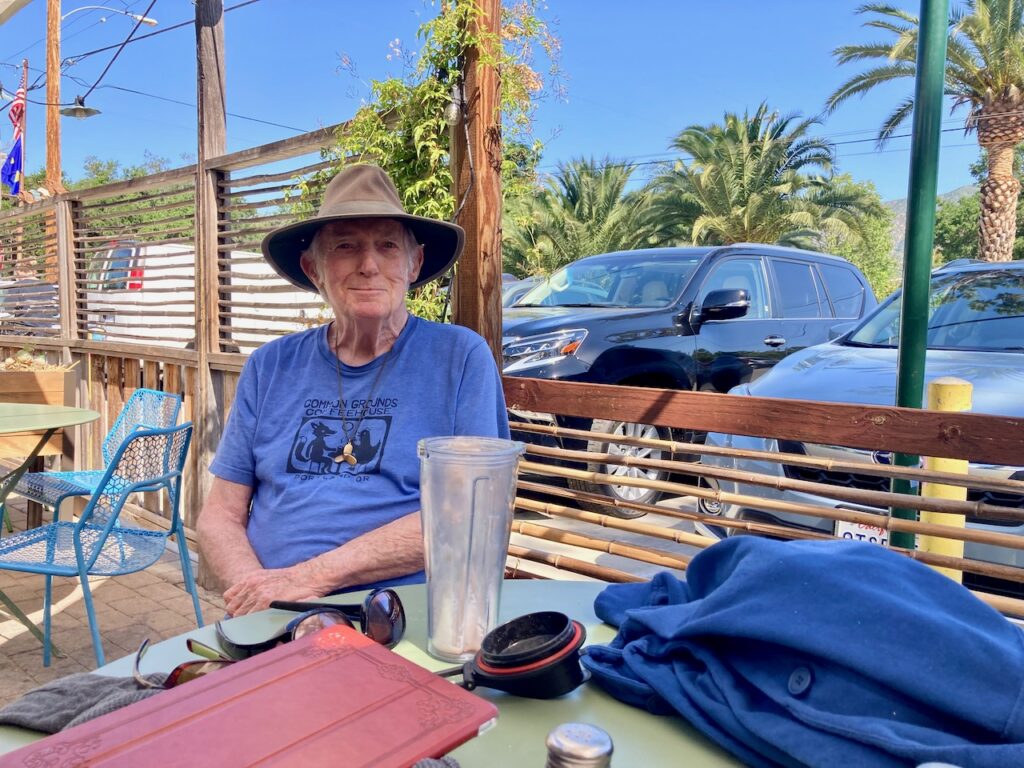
(53, 167)
(476, 169)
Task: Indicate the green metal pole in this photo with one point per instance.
(920, 236)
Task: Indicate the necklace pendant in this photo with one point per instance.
(346, 455)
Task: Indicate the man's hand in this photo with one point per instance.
(255, 590)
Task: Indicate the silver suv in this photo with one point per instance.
(975, 332)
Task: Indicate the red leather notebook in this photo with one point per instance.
(335, 698)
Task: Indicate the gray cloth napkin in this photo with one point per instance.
(68, 701)
(440, 762)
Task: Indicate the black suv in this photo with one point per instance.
(678, 318)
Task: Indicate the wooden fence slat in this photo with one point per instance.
(977, 437)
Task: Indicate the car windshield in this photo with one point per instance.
(966, 310)
(614, 283)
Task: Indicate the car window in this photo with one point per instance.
(110, 272)
(798, 296)
(745, 273)
(845, 290)
(627, 282)
(971, 310)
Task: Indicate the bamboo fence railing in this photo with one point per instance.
(544, 488)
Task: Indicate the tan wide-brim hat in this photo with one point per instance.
(363, 192)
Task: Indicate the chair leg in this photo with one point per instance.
(94, 628)
(186, 572)
(56, 508)
(47, 604)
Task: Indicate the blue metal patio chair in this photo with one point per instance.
(145, 408)
(99, 544)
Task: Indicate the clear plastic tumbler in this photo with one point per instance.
(467, 491)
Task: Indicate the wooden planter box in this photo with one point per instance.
(45, 388)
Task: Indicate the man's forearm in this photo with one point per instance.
(393, 550)
(226, 549)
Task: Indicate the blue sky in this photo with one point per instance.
(635, 75)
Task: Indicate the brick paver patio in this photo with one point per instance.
(152, 603)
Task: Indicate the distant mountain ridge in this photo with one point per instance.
(899, 216)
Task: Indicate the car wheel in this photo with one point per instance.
(623, 492)
(712, 508)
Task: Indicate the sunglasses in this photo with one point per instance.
(381, 617)
(185, 671)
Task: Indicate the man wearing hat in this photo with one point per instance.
(316, 486)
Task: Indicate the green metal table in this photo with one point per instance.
(641, 739)
(46, 420)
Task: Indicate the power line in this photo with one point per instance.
(879, 151)
(80, 56)
(189, 104)
(120, 48)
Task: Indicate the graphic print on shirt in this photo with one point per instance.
(321, 436)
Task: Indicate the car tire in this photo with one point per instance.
(622, 492)
(711, 508)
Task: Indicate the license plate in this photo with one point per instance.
(862, 532)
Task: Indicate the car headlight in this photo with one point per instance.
(534, 351)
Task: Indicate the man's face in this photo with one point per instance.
(363, 267)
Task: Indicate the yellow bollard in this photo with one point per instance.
(946, 394)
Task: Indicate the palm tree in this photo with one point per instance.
(584, 209)
(756, 178)
(984, 71)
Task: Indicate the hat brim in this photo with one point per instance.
(442, 244)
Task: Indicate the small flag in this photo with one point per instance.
(17, 111)
(11, 173)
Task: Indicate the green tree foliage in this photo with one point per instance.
(956, 229)
(984, 72)
(871, 251)
(757, 178)
(584, 209)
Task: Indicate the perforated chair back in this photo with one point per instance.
(147, 459)
(146, 407)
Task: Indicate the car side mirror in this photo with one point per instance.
(840, 329)
(725, 304)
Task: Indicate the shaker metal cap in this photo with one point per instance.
(579, 745)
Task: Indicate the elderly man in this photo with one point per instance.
(316, 485)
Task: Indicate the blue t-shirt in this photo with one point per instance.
(286, 426)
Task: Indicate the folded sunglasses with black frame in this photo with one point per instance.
(381, 617)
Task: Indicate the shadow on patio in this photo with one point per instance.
(152, 603)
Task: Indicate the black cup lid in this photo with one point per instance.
(527, 639)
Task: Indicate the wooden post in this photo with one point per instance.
(65, 253)
(476, 168)
(53, 166)
(65, 256)
(212, 141)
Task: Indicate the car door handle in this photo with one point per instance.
(774, 341)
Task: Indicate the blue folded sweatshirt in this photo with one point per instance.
(817, 653)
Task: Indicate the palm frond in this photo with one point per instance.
(865, 81)
(896, 118)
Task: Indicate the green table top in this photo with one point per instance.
(29, 417)
(640, 739)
